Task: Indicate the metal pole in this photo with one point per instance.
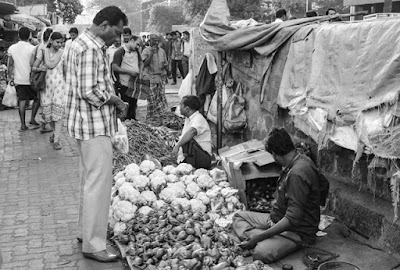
(219, 99)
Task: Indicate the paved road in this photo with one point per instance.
(39, 196)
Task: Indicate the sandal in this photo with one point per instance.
(22, 129)
(57, 146)
(34, 123)
(52, 138)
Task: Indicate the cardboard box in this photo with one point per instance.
(247, 161)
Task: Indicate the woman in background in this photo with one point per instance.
(53, 97)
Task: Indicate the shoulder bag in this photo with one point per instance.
(38, 78)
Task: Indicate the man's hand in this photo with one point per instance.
(122, 109)
(250, 242)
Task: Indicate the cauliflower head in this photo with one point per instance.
(183, 202)
(119, 182)
(119, 175)
(187, 179)
(145, 210)
(126, 190)
(223, 184)
(147, 166)
(149, 197)
(228, 191)
(218, 175)
(132, 170)
(168, 194)
(179, 188)
(157, 173)
(140, 182)
(172, 178)
(157, 183)
(202, 196)
(169, 169)
(125, 210)
(184, 168)
(197, 206)
(205, 181)
(193, 189)
(200, 171)
(214, 192)
(119, 228)
(158, 204)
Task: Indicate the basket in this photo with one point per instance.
(338, 266)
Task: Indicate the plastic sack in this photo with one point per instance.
(120, 140)
(213, 109)
(10, 97)
(186, 86)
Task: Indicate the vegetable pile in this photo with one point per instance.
(175, 218)
(260, 193)
(167, 119)
(159, 143)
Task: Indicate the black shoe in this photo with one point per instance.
(79, 239)
(101, 256)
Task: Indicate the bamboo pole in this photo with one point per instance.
(219, 100)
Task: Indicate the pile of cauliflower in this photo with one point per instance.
(144, 188)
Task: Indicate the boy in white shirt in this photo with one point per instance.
(19, 69)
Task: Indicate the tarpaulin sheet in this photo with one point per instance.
(263, 38)
(354, 67)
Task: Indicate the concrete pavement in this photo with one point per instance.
(39, 198)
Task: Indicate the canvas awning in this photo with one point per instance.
(29, 21)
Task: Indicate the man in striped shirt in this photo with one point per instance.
(91, 113)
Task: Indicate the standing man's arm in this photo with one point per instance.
(87, 72)
(147, 56)
(10, 66)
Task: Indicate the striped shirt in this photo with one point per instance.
(89, 87)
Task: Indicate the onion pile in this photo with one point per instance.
(259, 193)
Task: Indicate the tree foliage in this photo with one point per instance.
(239, 9)
(70, 9)
(163, 16)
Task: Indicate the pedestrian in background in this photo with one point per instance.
(73, 34)
(91, 113)
(53, 97)
(126, 35)
(176, 56)
(19, 70)
(127, 64)
(155, 66)
(187, 51)
(281, 15)
(44, 37)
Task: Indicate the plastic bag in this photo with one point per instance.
(186, 86)
(120, 140)
(213, 109)
(10, 96)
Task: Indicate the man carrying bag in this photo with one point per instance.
(127, 65)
